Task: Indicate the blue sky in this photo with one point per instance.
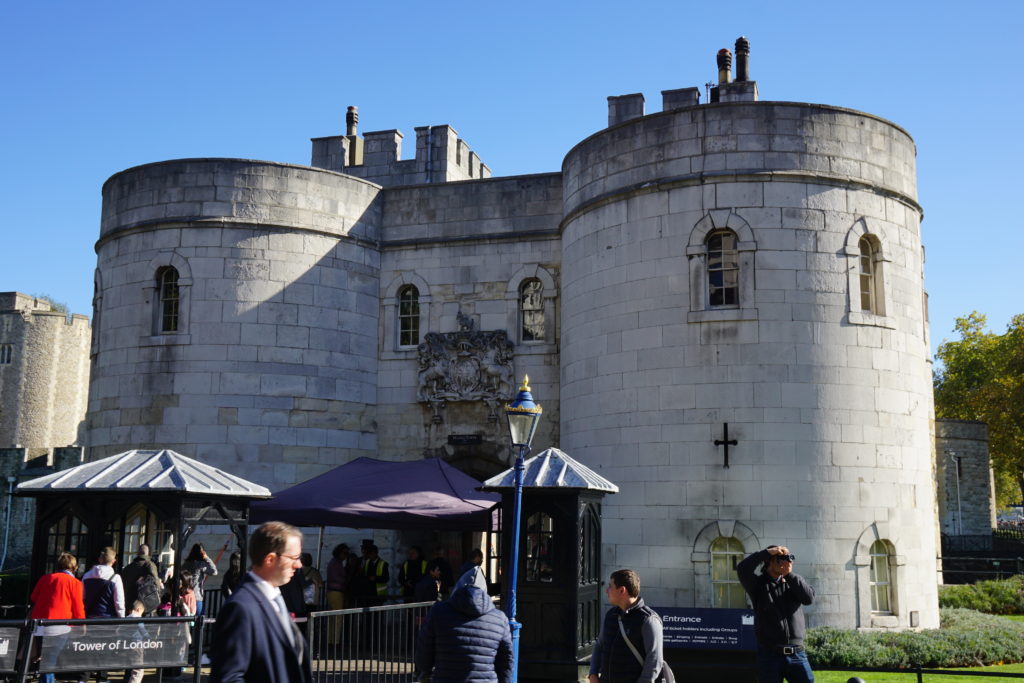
(94, 88)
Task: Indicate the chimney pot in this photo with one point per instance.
(724, 66)
(742, 59)
(351, 120)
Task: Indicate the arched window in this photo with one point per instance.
(726, 590)
(880, 578)
(170, 299)
(67, 535)
(540, 553)
(723, 269)
(868, 279)
(531, 310)
(408, 316)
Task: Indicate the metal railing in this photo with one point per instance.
(351, 644)
(920, 673)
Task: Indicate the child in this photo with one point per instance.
(139, 633)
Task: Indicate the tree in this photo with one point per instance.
(982, 378)
(55, 306)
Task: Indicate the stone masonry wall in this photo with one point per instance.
(44, 387)
(468, 245)
(966, 495)
(273, 372)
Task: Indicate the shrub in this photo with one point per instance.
(992, 597)
(966, 638)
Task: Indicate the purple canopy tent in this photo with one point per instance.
(378, 494)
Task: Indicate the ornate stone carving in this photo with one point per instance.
(468, 365)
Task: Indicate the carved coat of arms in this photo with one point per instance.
(468, 365)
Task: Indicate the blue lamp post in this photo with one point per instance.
(523, 416)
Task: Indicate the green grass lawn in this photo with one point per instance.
(869, 677)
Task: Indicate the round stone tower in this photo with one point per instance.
(745, 352)
(219, 289)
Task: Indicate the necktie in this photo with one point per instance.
(285, 619)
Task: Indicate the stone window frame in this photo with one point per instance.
(880, 549)
(876, 237)
(700, 556)
(151, 295)
(878, 531)
(512, 300)
(6, 354)
(169, 299)
(391, 348)
(696, 255)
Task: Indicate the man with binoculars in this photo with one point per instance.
(777, 595)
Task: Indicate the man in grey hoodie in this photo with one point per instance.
(465, 638)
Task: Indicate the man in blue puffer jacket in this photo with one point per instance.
(465, 638)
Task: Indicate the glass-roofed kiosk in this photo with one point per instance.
(157, 497)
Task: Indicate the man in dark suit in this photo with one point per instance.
(255, 640)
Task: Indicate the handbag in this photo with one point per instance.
(665, 675)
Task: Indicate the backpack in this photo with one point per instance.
(150, 589)
(99, 597)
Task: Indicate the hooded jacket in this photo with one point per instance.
(101, 601)
(465, 638)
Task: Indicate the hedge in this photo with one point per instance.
(992, 597)
(965, 638)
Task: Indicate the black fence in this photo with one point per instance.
(921, 675)
(77, 646)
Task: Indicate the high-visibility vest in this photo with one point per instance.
(382, 588)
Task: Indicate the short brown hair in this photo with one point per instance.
(66, 561)
(270, 537)
(107, 555)
(628, 579)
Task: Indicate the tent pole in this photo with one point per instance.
(319, 546)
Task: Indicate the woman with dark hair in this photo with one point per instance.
(199, 565)
(57, 596)
(233, 576)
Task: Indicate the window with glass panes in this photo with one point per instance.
(881, 579)
(408, 316)
(67, 535)
(868, 276)
(726, 590)
(723, 269)
(540, 536)
(531, 310)
(169, 299)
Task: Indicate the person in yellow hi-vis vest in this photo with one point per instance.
(375, 576)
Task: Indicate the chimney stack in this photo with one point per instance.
(351, 120)
(742, 59)
(724, 66)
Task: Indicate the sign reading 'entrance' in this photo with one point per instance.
(708, 629)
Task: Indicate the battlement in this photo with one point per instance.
(30, 306)
(441, 156)
(622, 108)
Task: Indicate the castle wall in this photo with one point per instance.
(467, 246)
(830, 406)
(967, 505)
(43, 388)
(273, 370)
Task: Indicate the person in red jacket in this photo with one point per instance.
(57, 596)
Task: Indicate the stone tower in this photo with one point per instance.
(757, 267)
(44, 374)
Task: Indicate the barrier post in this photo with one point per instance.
(197, 667)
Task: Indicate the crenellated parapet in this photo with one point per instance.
(441, 156)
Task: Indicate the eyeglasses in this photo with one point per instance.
(293, 558)
(786, 558)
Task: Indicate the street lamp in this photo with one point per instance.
(523, 415)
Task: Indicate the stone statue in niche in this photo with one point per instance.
(468, 365)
